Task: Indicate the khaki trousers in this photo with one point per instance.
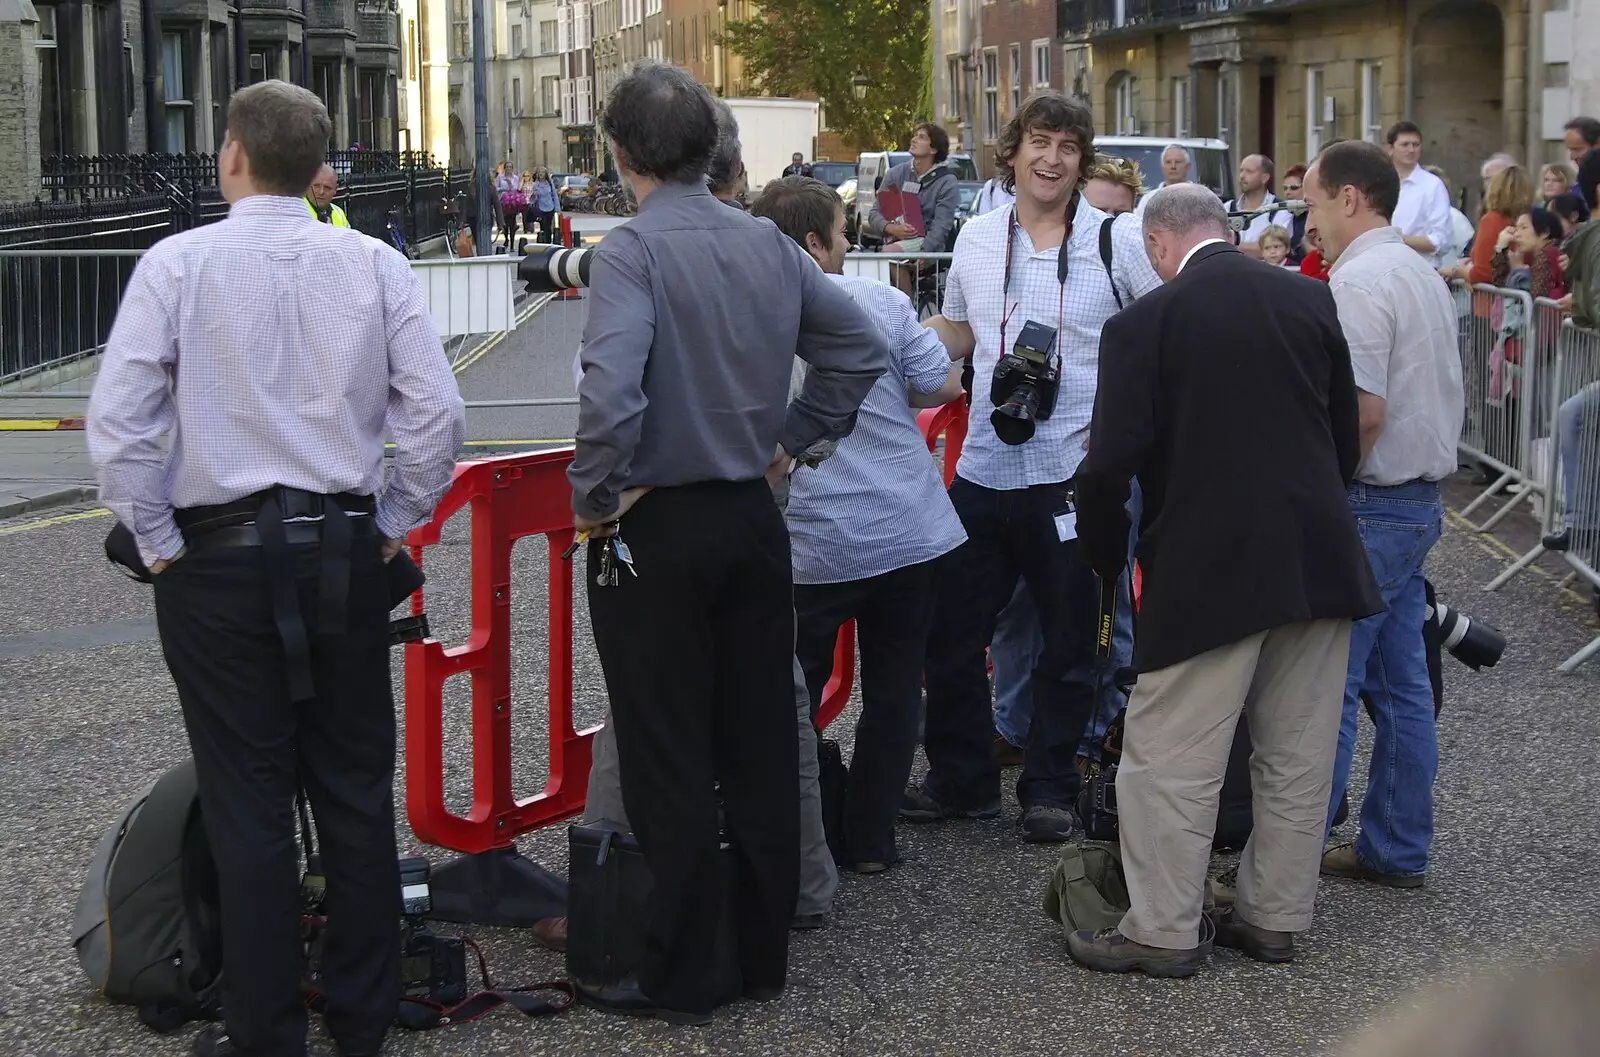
(1180, 722)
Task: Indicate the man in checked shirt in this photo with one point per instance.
(267, 525)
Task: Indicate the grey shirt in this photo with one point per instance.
(938, 193)
(696, 312)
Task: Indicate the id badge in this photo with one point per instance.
(911, 187)
(1067, 523)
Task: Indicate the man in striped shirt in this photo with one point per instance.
(865, 528)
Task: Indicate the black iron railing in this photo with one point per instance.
(1087, 18)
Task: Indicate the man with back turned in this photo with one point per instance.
(696, 313)
(267, 526)
(1253, 572)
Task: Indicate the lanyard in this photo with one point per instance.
(1061, 275)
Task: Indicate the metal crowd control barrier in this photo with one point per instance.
(949, 422)
(1567, 457)
(1504, 369)
(927, 293)
(511, 497)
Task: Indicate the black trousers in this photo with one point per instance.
(698, 658)
(1009, 534)
(892, 612)
(251, 745)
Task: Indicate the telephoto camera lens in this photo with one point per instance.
(550, 269)
(1472, 642)
(1013, 420)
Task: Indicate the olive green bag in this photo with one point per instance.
(1087, 892)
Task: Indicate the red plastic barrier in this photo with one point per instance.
(511, 496)
(949, 422)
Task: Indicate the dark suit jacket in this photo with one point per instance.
(1228, 393)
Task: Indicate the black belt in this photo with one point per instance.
(260, 520)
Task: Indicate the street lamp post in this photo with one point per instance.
(859, 85)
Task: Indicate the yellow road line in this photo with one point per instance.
(484, 346)
(59, 519)
(1498, 549)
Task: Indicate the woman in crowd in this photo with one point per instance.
(1555, 180)
(542, 205)
(1509, 196)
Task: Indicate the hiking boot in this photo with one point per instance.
(1109, 951)
(1341, 860)
(1264, 945)
(1223, 888)
(918, 806)
(1048, 825)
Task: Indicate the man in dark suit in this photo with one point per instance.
(1228, 392)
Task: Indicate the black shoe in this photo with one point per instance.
(625, 997)
(1264, 945)
(1049, 825)
(213, 1041)
(869, 867)
(763, 994)
(918, 806)
(1560, 542)
(807, 922)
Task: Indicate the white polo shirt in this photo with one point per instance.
(974, 295)
(1400, 322)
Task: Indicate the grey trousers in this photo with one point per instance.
(819, 878)
(1175, 745)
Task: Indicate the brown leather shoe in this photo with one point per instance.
(551, 932)
(1005, 753)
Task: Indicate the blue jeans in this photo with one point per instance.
(1398, 526)
(1017, 643)
(1580, 478)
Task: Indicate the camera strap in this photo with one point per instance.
(536, 1000)
(1061, 275)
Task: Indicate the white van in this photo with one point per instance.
(870, 170)
(1209, 161)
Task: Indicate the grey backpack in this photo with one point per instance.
(147, 930)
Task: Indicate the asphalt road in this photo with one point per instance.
(534, 361)
(948, 954)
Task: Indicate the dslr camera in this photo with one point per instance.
(551, 269)
(1470, 641)
(1025, 383)
(432, 967)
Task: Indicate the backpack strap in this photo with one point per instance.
(1105, 257)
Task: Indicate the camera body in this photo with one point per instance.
(432, 967)
(1025, 383)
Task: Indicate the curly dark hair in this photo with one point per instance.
(1049, 111)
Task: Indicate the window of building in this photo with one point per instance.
(413, 59)
(952, 80)
(175, 91)
(460, 30)
(325, 84)
(52, 116)
(518, 47)
(1314, 126)
(1041, 64)
(1016, 78)
(221, 83)
(1075, 71)
(547, 38)
(1124, 106)
(516, 97)
(1372, 102)
(372, 99)
(263, 65)
(1180, 108)
(549, 95)
(991, 94)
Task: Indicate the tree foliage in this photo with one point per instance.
(817, 47)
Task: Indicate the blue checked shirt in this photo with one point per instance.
(973, 295)
(274, 350)
(877, 504)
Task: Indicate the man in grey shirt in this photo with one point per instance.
(696, 312)
(819, 878)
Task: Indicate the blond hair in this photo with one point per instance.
(1275, 233)
(1121, 171)
(1568, 172)
(1510, 193)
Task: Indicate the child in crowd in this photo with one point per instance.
(1274, 244)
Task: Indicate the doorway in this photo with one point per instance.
(1266, 106)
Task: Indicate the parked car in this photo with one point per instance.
(833, 173)
(1209, 160)
(570, 187)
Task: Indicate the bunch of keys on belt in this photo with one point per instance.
(612, 551)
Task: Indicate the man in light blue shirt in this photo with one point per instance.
(865, 527)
